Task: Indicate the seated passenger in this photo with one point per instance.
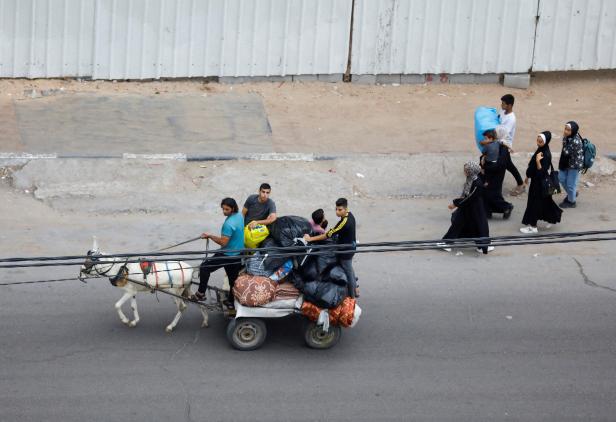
(318, 222)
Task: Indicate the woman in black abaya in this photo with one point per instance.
(469, 218)
(540, 206)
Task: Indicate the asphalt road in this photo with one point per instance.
(442, 337)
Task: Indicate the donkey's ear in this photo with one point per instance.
(94, 243)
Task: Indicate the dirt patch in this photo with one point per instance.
(343, 118)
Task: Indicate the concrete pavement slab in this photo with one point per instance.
(10, 138)
(110, 125)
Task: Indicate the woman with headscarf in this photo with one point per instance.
(469, 218)
(540, 206)
(570, 163)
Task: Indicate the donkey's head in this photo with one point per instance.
(92, 258)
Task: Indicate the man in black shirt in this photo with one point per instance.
(343, 233)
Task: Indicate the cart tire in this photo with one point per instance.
(316, 339)
(246, 333)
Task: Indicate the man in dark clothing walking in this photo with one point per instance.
(343, 233)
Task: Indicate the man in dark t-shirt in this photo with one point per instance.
(343, 233)
(259, 209)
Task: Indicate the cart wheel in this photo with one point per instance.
(317, 339)
(246, 333)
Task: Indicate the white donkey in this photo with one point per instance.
(172, 276)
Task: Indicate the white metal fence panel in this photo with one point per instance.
(443, 36)
(576, 35)
(138, 39)
(46, 38)
(121, 39)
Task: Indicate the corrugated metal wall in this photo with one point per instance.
(138, 39)
(443, 36)
(576, 35)
(184, 38)
(47, 38)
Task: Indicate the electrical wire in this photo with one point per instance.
(320, 250)
(299, 249)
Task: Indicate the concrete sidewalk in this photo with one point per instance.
(91, 125)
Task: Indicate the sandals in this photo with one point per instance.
(197, 296)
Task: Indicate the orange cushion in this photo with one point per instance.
(340, 315)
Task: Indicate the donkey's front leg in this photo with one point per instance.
(118, 307)
(133, 305)
(181, 307)
(205, 316)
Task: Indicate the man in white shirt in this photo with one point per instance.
(507, 120)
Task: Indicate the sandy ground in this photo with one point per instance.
(339, 118)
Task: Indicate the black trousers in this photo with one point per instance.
(493, 196)
(347, 265)
(232, 266)
(511, 168)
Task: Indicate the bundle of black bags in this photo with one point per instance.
(319, 277)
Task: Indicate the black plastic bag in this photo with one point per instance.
(309, 270)
(285, 229)
(326, 261)
(324, 294)
(336, 275)
(297, 280)
(272, 263)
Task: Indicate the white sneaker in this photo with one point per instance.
(443, 246)
(490, 249)
(529, 230)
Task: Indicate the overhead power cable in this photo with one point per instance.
(319, 250)
(430, 244)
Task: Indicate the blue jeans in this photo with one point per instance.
(569, 179)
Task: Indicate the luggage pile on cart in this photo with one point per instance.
(277, 285)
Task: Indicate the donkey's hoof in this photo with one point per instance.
(132, 324)
(169, 329)
(205, 325)
(125, 321)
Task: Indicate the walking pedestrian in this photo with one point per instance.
(469, 218)
(540, 205)
(494, 170)
(570, 163)
(508, 121)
